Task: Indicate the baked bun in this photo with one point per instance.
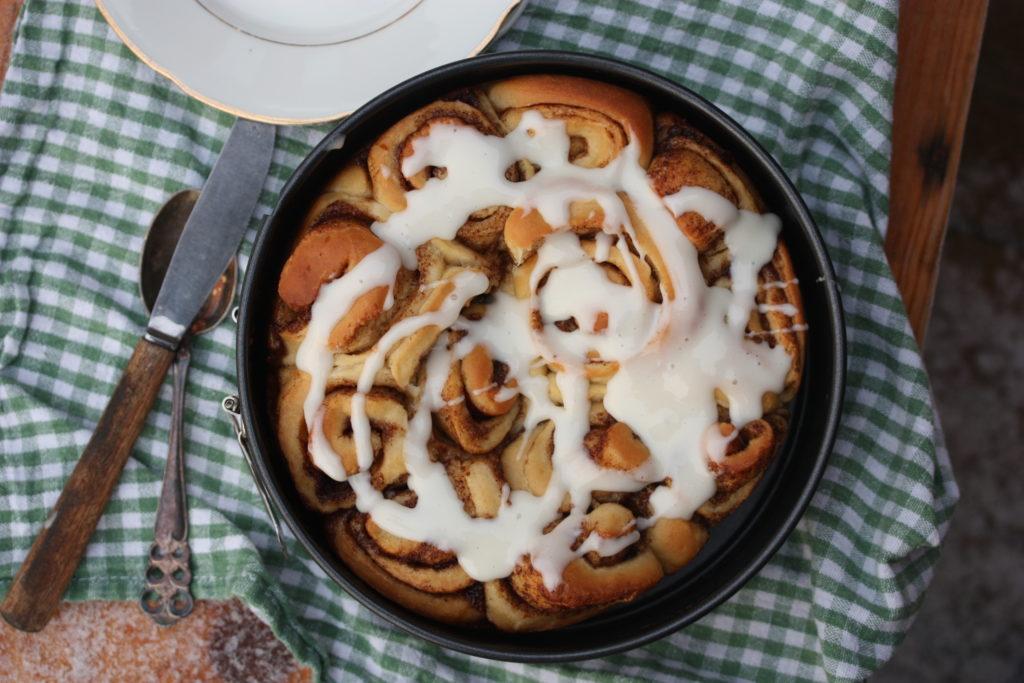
(532, 344)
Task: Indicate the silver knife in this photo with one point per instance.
(213, 231)
(211, 236)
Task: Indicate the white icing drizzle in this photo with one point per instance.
(672, 355)
(603, 242)
(712, 206)
(487, 548)
(780, 284)
(475, 179)
(799, 327)
(465, 285)
(750, 238)
(785, 309)
(578, 288)
(314, 356)
(716, 444)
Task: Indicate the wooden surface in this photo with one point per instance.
(39, 585)
(8, 15)
(939, 42)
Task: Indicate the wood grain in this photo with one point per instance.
(938, 51)
(53, 558)
(8, 17)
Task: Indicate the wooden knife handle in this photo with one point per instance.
(35, 594)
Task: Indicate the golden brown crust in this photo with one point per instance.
(584, 585)
(526, 462)
(524, 230)
(384, 162)
(675, 542)
(474, 434)
(325, 253)
(478, 376)
(687, 157)
(509, 612)
(626, 108)
(458, 607)
(478, 435)
(318, 491)
(616, 447)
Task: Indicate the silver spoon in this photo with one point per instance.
(167, 597)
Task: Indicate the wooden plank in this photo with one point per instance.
(938, 51)
(8, 17)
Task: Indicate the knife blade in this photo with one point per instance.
(213, 231)
(211, 236)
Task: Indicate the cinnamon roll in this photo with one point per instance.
(533, 343)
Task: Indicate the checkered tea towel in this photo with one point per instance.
(92, 142)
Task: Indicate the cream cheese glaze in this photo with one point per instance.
(672, 355)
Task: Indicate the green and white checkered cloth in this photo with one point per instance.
(92, 142)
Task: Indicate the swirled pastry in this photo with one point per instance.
(533, 342)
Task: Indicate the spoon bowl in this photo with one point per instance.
(161, 239)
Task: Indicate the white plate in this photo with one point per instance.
(314, 60)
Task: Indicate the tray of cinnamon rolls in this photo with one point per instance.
(540, 356)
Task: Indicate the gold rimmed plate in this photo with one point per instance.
(314, 60)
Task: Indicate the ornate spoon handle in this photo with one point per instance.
(166, 597)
